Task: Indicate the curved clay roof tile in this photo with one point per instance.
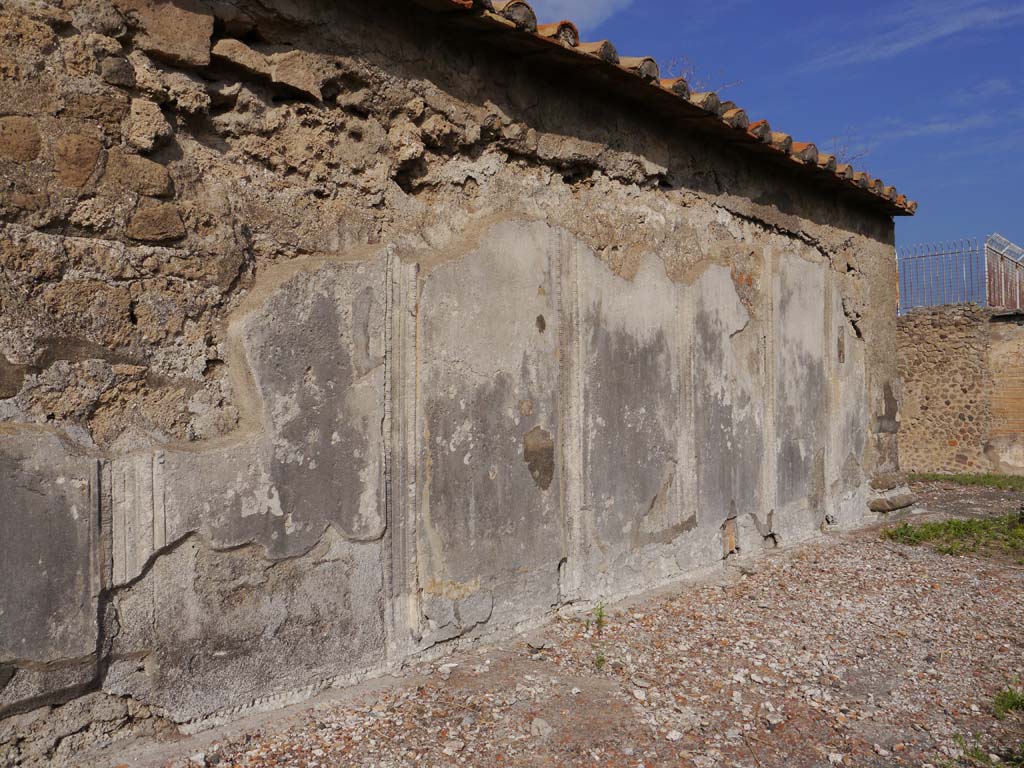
(602, 49)
(707, 101)
(827, 161)
(564, 32)
(644, 66)
(736, 117)
(782, 141)
(518, 12)
(760, 130)
(805, 152)
(678, 86)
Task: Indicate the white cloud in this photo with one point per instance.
(921, 23)
(935, 127)
(585, 13)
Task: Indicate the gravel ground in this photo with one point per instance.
(849, 651)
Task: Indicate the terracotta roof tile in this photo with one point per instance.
(564, 32)
(761, 131)
(602, 49)
(678, 86)
(644, 66)
(519, 15)
(782, 141)
(805, 152)
(518, 12)
(707, 101)
(737, 118)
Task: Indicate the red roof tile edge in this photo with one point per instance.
(522, 16)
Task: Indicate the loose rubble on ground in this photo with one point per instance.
(848, 651)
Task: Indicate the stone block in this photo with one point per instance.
(138, 174)
(117, 71)
(156, 223)
(75, 158)
(892, 500)
(178, 32)
(147, 126)
(19, 139)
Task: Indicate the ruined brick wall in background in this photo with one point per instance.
(947, 388)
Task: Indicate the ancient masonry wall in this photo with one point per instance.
(328, 337)
(963, 391)
(947, 386)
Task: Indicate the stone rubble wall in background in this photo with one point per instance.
(963, 390)
(328, 338)
(947, 388)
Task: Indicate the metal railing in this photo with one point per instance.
(959, 272)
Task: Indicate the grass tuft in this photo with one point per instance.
(1010, 699)
(1000, 482)
(994, 537)
(600, 617)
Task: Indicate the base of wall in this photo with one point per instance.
(58, 736)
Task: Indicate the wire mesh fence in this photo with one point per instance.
(960, 272)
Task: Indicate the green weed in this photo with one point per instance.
(999, 536)
(1001, 482)
(1010, 699)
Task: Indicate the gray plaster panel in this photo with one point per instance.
(317, 354)
(315, 350)
(801, 394)
(849, 418)
(205, 631)
(633, 424)
(49, 538)
(728, 402)
(49, 568)
(489, 350)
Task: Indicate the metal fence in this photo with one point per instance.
(960, 272)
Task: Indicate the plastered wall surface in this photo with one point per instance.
(328, 338)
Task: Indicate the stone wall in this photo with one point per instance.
(1005, 445)
(963, 390)
(947, 388)
(328, 337)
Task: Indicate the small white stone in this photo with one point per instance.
(541, 727)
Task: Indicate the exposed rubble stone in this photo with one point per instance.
(117, 71)
(75, 159)
(19, 139)
(125, 170)
(156, 222)
(177, 32)
(147, 126)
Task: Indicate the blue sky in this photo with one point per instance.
(932, 91)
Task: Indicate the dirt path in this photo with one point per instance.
(850, 651)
